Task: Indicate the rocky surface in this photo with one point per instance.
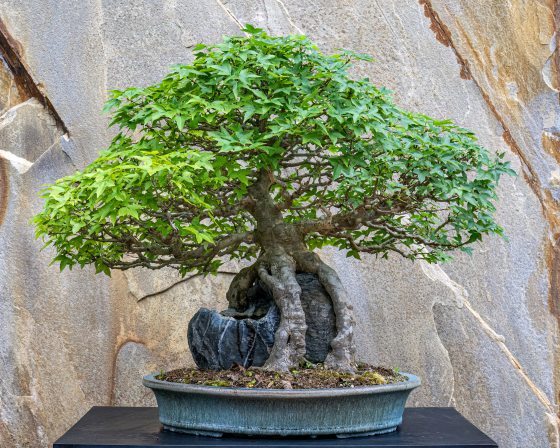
(481, 331)
(219, 342)
(319, 316)
(9, 94)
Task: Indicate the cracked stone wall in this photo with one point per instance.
(481, 331)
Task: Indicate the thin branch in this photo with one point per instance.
(183, 280)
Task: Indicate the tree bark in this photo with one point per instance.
(278, 271)
(237, 293)
(343, 350)
(283, 254)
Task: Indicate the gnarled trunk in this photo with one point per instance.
(343, 349)
(283, 254)
(277, 269)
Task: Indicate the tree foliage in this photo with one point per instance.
(350, 169)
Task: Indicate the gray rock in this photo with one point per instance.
(319, 316)
(220, 342)
(27, 131)
(132, 359)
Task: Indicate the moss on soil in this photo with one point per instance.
(306, 376)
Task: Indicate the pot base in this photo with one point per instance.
(192, 431)
(342, 412)
(366, 434)
(313, 436)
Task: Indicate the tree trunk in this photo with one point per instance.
(283, 254)
(236, 295)
(277, 269)
(343, 350)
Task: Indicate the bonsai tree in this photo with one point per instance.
(265, 149)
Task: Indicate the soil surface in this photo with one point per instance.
(307, 376)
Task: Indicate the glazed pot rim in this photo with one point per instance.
(153, 383)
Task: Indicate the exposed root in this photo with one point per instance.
(237, 292)
(343, 350)
(278, 272)
(277, 268)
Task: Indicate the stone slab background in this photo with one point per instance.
(481, 331)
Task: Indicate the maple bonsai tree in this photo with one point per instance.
(265, 149)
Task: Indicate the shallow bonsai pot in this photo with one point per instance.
(345, 412)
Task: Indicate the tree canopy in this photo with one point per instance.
(348, 167)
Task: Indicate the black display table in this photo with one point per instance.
(104, 427)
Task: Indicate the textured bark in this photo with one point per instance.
(237, 293)
(278, 271)
(283, 254)
(343, 349)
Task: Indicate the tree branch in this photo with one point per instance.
(183, 280)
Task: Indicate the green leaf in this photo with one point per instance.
(180, 120)
(248, 28)
(176, 186)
